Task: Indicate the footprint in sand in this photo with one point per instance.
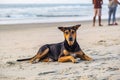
(104, 43)
(101, 42)
(47, 72)
(14, 64)
(113, 69)
(10, 63)
(109, 42)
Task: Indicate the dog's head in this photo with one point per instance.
(70, 33)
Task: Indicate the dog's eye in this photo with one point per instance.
(66, 32)
(73, 32)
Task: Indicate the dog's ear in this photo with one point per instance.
(76, 26)
(61, 28)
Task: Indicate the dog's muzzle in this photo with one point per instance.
(70, 39)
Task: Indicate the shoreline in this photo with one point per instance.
(40, 25)
(35, 21)
(51, 24)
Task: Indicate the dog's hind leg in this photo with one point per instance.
(47, 60)
(39, 56)
(67, 59)
(83, 56)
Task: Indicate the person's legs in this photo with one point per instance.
(114, 15)
(109, 15)
(99, 17)
(94, 18)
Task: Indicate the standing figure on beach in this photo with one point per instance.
(97, 11)
(112, 11)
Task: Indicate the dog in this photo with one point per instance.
(65, 51)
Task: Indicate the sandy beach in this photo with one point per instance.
(23, 41)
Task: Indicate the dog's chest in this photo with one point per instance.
(72, 54)
(66, 53)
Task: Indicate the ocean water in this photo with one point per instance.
(42, 13)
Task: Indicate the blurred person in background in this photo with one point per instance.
(97, 11)
(112, 11)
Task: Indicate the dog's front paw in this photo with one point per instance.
(74, 61)
(89, 59)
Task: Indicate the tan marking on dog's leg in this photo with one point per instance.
(66, 59)
(45, 60)
(83, 56)
(32, 60)
(39, 56)
(66, 53)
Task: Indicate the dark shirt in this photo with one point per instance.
(97, 3)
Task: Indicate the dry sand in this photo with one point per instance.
(24, 40)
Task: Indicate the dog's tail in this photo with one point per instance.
(19, 60)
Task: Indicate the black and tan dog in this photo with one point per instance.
(65, 51)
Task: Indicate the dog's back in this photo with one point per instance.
(54, 50)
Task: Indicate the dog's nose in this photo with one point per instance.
(70, 39)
